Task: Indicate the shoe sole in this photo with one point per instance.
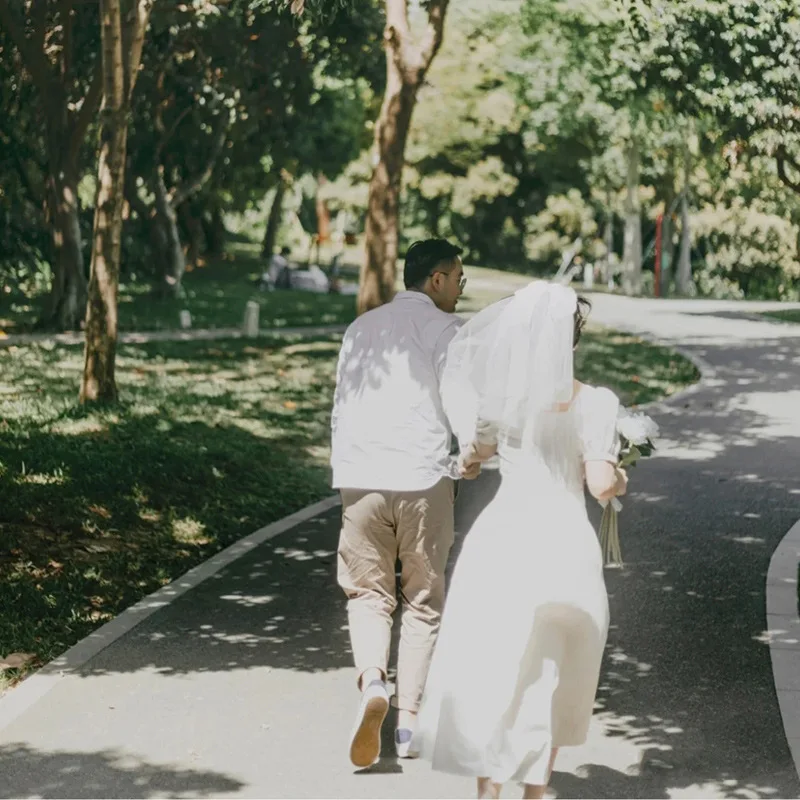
(365, 749)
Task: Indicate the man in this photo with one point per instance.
(392, 464)
(277, 275)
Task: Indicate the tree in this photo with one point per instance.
(736, 63)
(55, 46)
(122, 43)
(408, 59)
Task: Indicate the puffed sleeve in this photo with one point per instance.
(599, 411)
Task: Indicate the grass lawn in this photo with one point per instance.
(784, 315)
(216, 296)
(212, 441)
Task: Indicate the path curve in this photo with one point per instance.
(687, 695)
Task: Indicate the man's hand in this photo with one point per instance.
(469, 466)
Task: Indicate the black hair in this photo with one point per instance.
(424, 256)
(580, 317)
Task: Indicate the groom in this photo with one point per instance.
(392, 464)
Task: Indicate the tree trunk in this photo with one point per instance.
(323, 213)
(435, 216)
(274, 219)
(166, 218)
(98, 383)
(684, 281)
(173, 260)
(193, 234)
(214, 231)
(67, 302)
(609, 240)
(632, 254)
(121, 55)
(406, 66)
(65, 124)
(667, 236)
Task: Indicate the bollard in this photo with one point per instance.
(251, 319)
(186, 319)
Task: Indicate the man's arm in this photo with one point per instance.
(345, 349)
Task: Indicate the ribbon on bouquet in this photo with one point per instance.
(609, 532)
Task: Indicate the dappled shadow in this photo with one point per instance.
(99, 508)
(279, 606)
(29, 772)
(686, 691)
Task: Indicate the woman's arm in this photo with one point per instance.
(605, 480)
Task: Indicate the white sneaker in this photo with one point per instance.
(365, 743)
(403, 741)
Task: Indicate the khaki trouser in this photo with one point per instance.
(378, 528)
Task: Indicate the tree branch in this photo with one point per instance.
(437, 9)
(133, 33)
(181, 194)
(143, 211)
(88, 110)
(34, 60)
(23, 158)
(413, 59)
(66, 50)
(39, 20)
(168, 134)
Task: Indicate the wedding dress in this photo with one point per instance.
(517, 661)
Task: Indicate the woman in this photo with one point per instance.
(516, 667)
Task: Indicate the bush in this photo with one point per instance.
(747, 254)
(552, 231)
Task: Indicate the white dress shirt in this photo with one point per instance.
(389, 431)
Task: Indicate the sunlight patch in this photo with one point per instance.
(189, 531)
(56, 478)
(77, 427)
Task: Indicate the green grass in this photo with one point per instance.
(215, 296)
(639, 372)
(784, 315)
(98, 509)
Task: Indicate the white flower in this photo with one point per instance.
(637, 428)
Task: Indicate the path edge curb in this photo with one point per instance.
(32, 689)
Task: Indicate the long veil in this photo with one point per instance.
(511, 362)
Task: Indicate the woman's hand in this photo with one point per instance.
(605, 480)
(621, 486)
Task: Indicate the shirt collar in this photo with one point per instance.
(414, 297)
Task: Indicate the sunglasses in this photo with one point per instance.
(462, 280)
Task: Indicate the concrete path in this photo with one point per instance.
(243, 685)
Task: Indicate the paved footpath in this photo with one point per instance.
(243, 686)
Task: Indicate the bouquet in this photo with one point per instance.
(636, 432)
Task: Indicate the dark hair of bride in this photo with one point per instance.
(581, 316)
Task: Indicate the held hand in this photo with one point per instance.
(469, 467)
(619, 487)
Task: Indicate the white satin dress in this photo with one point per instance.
(516, 666)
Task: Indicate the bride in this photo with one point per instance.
(516, 667)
